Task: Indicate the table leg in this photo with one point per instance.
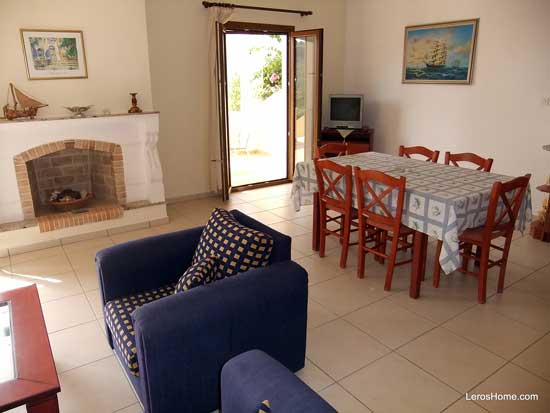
(315, 238)
(418, 263)
(46, 405)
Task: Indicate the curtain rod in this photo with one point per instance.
(208, 4)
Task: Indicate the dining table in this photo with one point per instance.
(441, 201)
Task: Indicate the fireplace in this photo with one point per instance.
(71, 182)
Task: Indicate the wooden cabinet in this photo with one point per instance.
(359, 140)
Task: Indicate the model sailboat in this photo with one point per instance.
(28, 106)
(438, 55)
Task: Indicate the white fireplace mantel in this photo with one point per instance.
(137, 135)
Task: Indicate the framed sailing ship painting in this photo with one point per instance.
(440, 52)
(52, 54)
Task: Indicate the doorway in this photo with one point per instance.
(270, 101)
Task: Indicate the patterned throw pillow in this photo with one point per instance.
(200, 273)
(237, 247)
(264, 407)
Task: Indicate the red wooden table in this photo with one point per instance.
(420, 248)
(35, 384)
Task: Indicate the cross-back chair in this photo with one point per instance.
(330, 150)
(431, 156)
(379, 221)
(335, 184)
(483, 164)
(504, 205)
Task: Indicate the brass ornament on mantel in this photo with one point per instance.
(135, 108)
(29, 106)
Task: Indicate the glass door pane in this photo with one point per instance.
(307, 55)
(257, 107)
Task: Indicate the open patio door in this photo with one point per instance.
(305, 93)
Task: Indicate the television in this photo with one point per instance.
(346, 111)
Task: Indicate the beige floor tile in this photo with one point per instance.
(318, 269)
(83, 253)
(96, 387)
(271, 203)
(318, 315)
(393, 384)
(94, 298)
(244, 207)
(537, 284)
(295, 254)
(347, 293)
(452, 359)
(514, 380)
(79, 345)
(289, 212)
(5, 263)
(36, 255)
(54, 287)
(306, 222)
(134, 408)
(266, 217)
(339, 349)
(314, 377)
(536, 358)
(133, 235)
(526, 308)
(389, 323)
(43, 267)
(302, 243)
(493, 331)
(289, 228)
(174, 225)
(87, 275)
(67, 312)
(342, 401)
(530, 252)
(464, 406)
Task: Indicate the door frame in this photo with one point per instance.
(318, 115)
(235, 27)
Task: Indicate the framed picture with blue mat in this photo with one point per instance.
(440, 52)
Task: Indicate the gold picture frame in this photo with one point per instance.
(441, 53)
(54, 54)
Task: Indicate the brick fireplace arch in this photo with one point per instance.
(22, 171)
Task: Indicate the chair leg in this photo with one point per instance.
(323, 230)
(391, 263)
(502, 273)
(383, 244)
(345, 238)
(482, 278)
(437, 267)
(466, 259)
(360, 250)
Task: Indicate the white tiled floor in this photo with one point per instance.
(367, 350)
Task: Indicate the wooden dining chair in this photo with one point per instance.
(483, 164)
(335, 184)
(330, 150)
(457, 159)
(431, 156)
(502, 212)
(379, 222)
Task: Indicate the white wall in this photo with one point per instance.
(502, 114)
(178, 45)
(115, 38)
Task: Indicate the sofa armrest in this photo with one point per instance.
(145, 264)
(184, 340)
(281, 242)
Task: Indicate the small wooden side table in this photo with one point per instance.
(540, 229)
(34, 382)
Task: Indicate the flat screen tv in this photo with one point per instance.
(346, 111)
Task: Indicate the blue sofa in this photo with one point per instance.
(252, 377)
(183, 340)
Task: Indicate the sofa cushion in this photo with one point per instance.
(118, 316)
(238, 247)
(197, 274)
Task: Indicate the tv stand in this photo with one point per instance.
(359, 140)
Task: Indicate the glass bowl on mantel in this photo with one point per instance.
(78, 111)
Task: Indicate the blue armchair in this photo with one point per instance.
(183, 340)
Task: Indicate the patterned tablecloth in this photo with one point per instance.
(440, 200)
